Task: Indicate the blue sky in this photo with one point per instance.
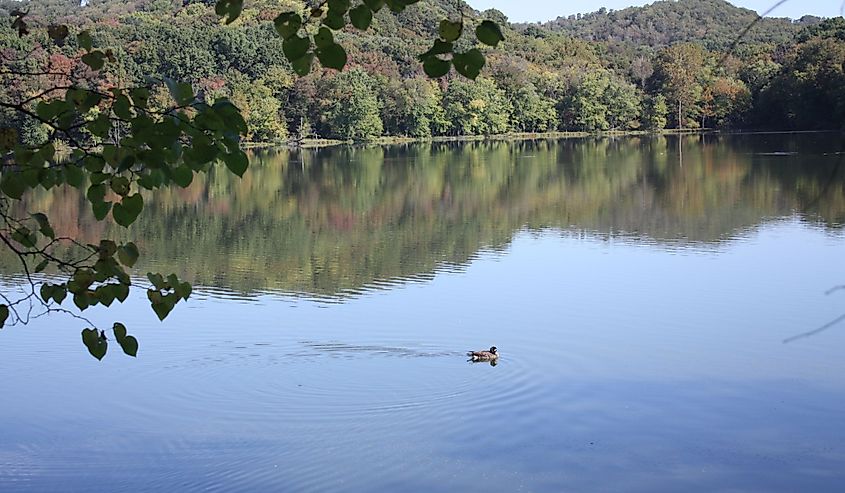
(542, 10)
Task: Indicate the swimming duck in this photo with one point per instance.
(491, 355)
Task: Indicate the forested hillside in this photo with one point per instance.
(662, 66)
(713, 23)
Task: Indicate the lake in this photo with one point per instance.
(659, 305)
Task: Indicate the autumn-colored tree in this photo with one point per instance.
(678, 75)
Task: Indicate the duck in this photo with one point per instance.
(491, 355)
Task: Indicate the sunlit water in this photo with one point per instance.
(650, 324)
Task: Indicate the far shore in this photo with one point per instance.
(387, 140)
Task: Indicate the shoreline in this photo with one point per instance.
(519, 136)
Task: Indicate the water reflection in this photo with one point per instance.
(641, 308)
(335, 223)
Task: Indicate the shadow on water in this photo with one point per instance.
(823, 327)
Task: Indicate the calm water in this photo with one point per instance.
(641, 303)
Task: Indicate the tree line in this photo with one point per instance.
(544, 78)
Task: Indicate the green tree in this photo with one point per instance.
(587, 108)
(678, 74)
(259, 107)
(478, 108)
(532, 112)
(809, 90)
(656, 110)
(412, 107)
(624, 105)
(350, 106)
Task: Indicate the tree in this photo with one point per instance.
(532, 112)
(587, 108)
(350, 107)
(654, 117)
(624, 105)
(809, 89)
(678, 75)
(412, 107)
(262, 112)
(641, 69)
(475, 108)
(724, 101)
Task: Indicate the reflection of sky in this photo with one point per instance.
(624, 363)
(542, 10)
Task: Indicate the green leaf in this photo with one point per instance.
(12, 184)
(287, 24)
(74, 175)
(302, 65)
(334, 20)
(469, 64)
(156, 279)
(81, 300)
(100, 209)
(237, 162)
(60, 293)
(44, 225)
(435, 67)
(48, 177)
(121, 292)
(42, 265)
(120, 185)
(129, 345)
(361, 17)
(58, 33)
(107, 248)
(84, 40)
(96, 342)
(47, 292)
(295, 47)
(96, 193)
(339, 6)
(332, 56)
(94, 59)
(182, 92)
(374, 5)
(489, 33)
(119, 331)
(24, 236)
(47, 110)
(162, 305)
(100, 126)
(324, 37)
(140, 96)
(125, 212)
(105, 294)
(183, 290)
(450, 31)
(162, 310)
(4, 314)
(439, 48)
(128, 254)
(182, 175)
(122, 107)
(229, 10)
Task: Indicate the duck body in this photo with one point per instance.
(490, 355)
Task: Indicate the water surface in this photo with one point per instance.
(640, 301)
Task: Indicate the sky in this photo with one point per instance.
(543, 10)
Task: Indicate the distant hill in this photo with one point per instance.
(715, 23)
